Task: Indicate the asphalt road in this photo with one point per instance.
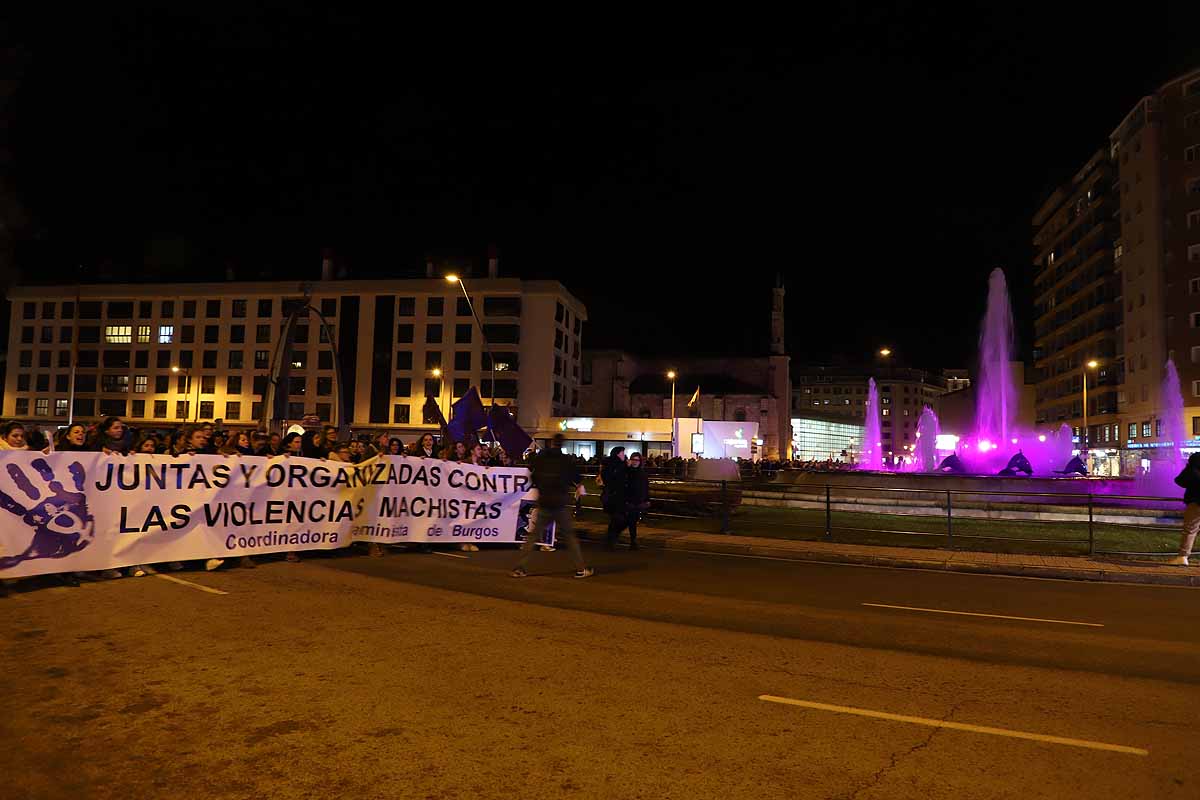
(437, 676)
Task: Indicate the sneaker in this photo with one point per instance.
(468, 547)
(247, 563)
(518, 573)
(585, 573)
(139, 571)
(1179, 561)
(111, 574)
(293, 558)
(546, 548)
(213, 563)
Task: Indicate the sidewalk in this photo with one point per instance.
(1083, 568)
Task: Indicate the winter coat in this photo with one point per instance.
(637, 495)
(615, 476)
(553, 473)
(1189, 479)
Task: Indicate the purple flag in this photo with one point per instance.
(466, 416)
(511, 436)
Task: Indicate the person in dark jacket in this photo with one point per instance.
(615, 476)
(637, 496)
(556, 477)
(1189, 481)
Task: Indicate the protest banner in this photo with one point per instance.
(66, 512)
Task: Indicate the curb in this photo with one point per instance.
(750, 546)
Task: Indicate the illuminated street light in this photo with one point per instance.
(1092, 364)
(885, 352)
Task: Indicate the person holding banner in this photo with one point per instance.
(554, 475)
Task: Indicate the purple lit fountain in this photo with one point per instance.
(996, 397)
(872, 451)
(1172, 409)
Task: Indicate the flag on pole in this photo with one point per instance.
(695, 397)
(466, 416)
(511, 436)
(433, 411)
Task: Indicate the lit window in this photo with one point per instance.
(144, 334)
(140, 383)
(166, 334)
(41, 406)
(118, 334)
(60, 408)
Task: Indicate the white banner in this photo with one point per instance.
(67, 512)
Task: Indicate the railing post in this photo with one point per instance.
(724, 508)
(828, 516)
(949, 522)
(1091, 530)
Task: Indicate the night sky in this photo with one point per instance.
(883, 161)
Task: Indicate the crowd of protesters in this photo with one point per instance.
(113, 436)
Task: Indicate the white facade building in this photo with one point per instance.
(150, 353)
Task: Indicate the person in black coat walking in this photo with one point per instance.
(614, 475)
(637, 496)
(556, 477)
(1189, 481)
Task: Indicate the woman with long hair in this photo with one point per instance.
(112, 437)
(146, 445)
(395, 446)
(71, 438)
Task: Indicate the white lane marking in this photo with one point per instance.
(992, 616)
(182, 582)
(448, 555)
(959, 726)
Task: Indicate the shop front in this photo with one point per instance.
(590, 437)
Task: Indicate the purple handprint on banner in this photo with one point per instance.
(59, 518)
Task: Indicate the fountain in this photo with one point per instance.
(927, 433)
(872, 450)
(995, 396)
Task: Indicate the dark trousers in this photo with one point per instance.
(617, 522)
(632, 520)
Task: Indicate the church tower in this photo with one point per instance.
(777, 347)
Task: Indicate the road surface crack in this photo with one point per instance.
(875, 779)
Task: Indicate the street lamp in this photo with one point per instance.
(1083, 440)
(437, 373)
(671, 377)
(452, 278)
(188, 391)
(885, 352)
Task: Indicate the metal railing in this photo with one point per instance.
(1000, 521)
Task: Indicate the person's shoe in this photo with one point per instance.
(518, 573)
(1179, 561)
(468, 547)
(585, 573)
(213, 563)
(247, 563)
(293, 558)
(139, 571)
(175, 566)
(111, 574)
(546, 548)
(375, 550)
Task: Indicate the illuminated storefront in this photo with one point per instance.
(819, 439)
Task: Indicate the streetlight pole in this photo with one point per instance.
(187, 392)
(487, 347)
(674, 444)
(437, 373)
(1083, 440)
